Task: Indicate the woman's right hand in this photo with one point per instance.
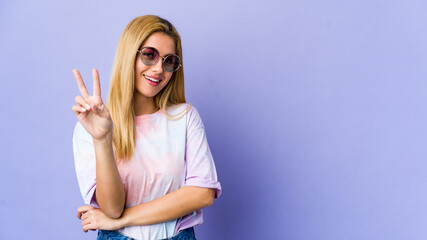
(90, 110)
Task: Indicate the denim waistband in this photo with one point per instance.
(186, 234)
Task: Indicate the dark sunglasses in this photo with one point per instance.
(150, 56)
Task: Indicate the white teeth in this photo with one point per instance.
(151, 79)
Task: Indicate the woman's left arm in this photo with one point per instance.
(171, 206)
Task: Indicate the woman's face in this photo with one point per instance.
(149, 80)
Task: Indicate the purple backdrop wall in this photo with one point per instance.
(315, 112)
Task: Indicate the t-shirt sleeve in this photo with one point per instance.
(201, 171)
(85, 163)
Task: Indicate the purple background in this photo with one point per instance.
(315, 112)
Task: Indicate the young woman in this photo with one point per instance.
(143, 163)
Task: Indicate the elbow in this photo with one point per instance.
(208, 197)
(209, 202)
(113, 213)
(112, 208)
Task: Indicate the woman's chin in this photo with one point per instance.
(145, 94)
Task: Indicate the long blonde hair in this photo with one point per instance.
(120, 101)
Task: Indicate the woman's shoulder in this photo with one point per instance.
(179, 109)
(186, 112)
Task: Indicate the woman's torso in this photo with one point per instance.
(156, 168)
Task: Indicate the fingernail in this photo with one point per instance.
(84, 109)
(87, 106)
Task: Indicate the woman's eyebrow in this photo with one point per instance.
(157, 50)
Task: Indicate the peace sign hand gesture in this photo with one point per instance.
(90, 110)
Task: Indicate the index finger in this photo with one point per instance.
(96, 84)
(82, 209)
(81, 84)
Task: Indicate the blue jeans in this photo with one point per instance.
(186, 234)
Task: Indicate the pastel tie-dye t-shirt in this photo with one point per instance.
(168, 155)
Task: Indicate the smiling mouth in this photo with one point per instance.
(152, 79)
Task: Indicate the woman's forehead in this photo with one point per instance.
(162, 42)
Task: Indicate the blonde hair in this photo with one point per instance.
(120, 101)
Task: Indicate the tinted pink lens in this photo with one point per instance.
(171, 63)
(149, 56)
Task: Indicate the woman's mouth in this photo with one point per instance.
(155, 81)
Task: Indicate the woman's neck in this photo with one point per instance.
(144, 105)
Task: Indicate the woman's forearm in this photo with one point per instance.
(110, 193)
(171, 206)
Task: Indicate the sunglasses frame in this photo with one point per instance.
(163, 59)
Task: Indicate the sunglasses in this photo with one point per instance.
(150, 56)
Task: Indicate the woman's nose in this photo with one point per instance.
(158, 67)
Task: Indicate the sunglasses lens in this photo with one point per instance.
(149, 56)
(171, 63)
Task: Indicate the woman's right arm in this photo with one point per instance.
(110, 193)
(95, 118)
